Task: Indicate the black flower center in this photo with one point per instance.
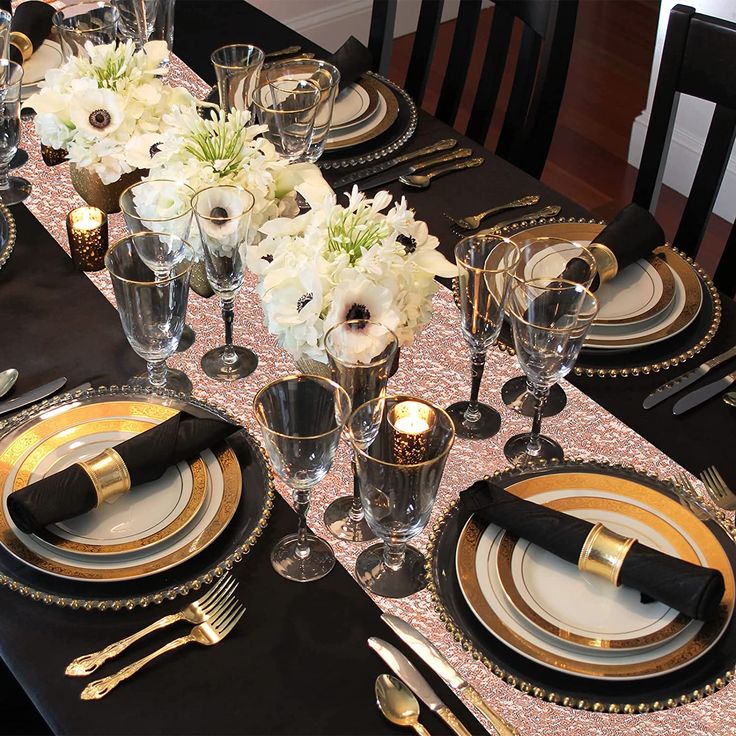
(269, 259)
(218, 213)
(358, 311)
(154, 149)
(99, 119)
(303, 300)
(410, 245)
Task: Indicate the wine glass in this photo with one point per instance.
(13, 189)
(549, 319)
(238, 67)
(288, 106)
(361, 356)
(546, 257)
(223, 216)
(485, 265)
(162, 206)
(137, 19)
(152, 308)
(78, 25)
(301, 419)
(401, 445)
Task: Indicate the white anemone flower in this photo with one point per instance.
(97, 112)
(223, 215)
(141, 149)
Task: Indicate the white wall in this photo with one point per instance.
(692, 121)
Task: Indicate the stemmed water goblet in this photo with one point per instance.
(361, 356)
(546, 257)
(238, 67)
(13, 189)
(301, 420)
(162, 206)
(549, 319)
(485, 267)
(152, 308)
(401, 445)
(137, 19)
(223, 216)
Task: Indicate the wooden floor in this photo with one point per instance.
(606, 90)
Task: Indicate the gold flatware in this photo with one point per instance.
(691, 500)
(550, 211)
(208, 634)
(730, 398)
(288, 51)
(718, 489)
(422, 181)
(398, 703)
(197, 612)
(472, 222)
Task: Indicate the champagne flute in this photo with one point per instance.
(13, 189)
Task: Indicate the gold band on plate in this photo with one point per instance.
(22, 43)
(108, 474)
(603, 553)
(605, 261)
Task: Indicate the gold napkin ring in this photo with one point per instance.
(605, 261)
(108, 474)
(22, 43)
(603, 553)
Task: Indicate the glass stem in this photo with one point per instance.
(477, 365)
(393, 554)
(228, 314)
(356, 510)
(156, 373)
(301, 506)
(4, 169)
(533, 446)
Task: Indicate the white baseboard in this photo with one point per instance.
(331, 25)
(682, 163)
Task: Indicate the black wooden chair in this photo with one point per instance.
(698, 59)
(539, 77)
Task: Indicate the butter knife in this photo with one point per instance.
(395, 174)
(550, 211)
(32, 396)
(683, 381)
(369, 171)
(412, 677)
(697, 397)
(424, 648)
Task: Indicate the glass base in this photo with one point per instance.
(381, 580)
(215, 367)
(17, 191)
(339, 524)
(487, 425)
(175, 381)
(516, 453)
(516, 395)
(188, 336)
(316, 565)
(20, 158)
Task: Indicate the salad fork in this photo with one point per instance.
(472, 222)
(196, 612)
(717, 489)
(208, 634)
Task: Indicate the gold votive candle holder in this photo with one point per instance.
(53, 156)
(87, 231)
(412, 422)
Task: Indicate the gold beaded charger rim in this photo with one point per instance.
(7, 248)
(171, 590)
(528, 687)
(636, 369)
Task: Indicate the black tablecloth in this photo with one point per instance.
(299, 662)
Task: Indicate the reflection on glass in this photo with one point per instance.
(76, 26)
(238, 67)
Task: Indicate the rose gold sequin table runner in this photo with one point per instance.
(437, 368)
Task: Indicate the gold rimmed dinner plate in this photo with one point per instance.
(477, 551)
(593, 622)
(354, 106)
(378, 122)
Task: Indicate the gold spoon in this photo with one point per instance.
(730, 398)
(7, 380)
(398, 703)
(422, 181)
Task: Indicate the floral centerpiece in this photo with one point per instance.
(107, 108)
(338, 263)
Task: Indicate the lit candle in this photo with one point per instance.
(412, 422)
(87, 231)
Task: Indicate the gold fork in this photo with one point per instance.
(472, 222)
(718, 489)
(208, 634)
(196, 613)
(692, 500)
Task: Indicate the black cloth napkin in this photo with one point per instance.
(147, 455)
(33, 18)
(352, 59)
(692, 589)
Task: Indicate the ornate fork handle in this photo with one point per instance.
(99, 688)
(523, 202)
(88, 663)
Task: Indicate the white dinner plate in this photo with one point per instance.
(47, 56)
(351, 104)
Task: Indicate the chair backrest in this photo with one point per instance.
(547, 30)
(698, 59)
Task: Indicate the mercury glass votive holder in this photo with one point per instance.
(86, 228)
(53, 156)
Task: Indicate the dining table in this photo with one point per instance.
(299, 662)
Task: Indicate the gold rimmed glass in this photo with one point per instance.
(546, 257)
(238, 67)
(549, 319)
(362, 355)
(486, 264)
(401, 444)
(301, 419)
(78, 25)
